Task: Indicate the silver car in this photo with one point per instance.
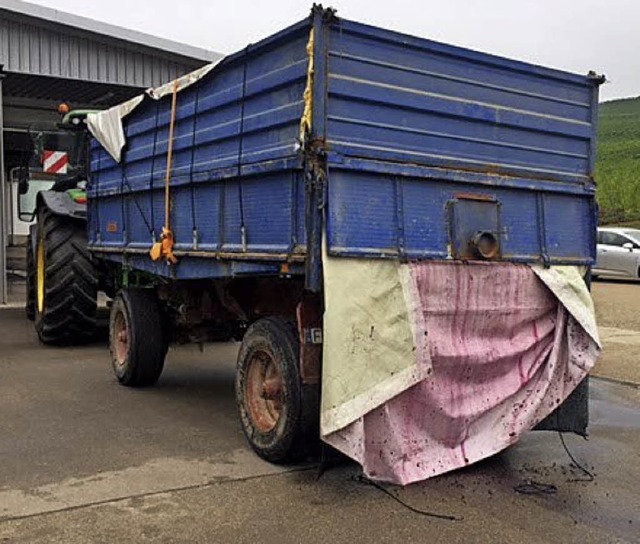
(618, 253)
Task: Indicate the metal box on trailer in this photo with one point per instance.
(413, 137)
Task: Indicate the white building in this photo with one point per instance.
(48, 57)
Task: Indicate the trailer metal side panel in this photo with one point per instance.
(413, 124)
(235, 163)
(424, 144)
(378, 215)
(396, 97)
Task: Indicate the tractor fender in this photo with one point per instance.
(60, 203)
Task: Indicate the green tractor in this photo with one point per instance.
(62, 278)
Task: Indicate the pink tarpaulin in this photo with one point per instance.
(504, 353)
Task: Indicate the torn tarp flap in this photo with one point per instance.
(372, 330)
(503, 352)
(106, 126)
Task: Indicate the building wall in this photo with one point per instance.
(38, 47)
(47, 56)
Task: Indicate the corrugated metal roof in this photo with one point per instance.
(112, 31)
(42, 42)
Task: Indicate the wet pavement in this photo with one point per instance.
(85, 460)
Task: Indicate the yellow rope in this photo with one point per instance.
(305, 121)
(164, 248)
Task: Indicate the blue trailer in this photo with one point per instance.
(375, 144)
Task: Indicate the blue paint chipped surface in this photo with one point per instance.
(408, 124)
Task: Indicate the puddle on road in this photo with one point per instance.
(614, 405)
(607, 414)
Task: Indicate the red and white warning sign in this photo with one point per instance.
(55, 162)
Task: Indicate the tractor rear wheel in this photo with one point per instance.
(66, 281)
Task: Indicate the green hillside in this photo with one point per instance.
(618, 161)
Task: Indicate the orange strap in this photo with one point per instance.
(164, 248)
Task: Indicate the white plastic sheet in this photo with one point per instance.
(106, 126)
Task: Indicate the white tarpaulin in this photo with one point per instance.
(430, 366)
(106, 126)
(370, 336)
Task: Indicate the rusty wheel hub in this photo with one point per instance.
(264, 391)
(121, 338)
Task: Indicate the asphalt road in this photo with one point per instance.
(85, 460)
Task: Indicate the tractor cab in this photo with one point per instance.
(57, 162)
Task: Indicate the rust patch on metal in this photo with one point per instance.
(474, 196)
(485, 245)
(249, 256)
(309, 314)
(264, 391)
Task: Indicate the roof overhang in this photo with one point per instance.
(73, 91)
(104, 29)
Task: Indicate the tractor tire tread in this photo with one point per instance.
(71, 282)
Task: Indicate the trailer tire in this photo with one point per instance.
(136, 339)
(279, 415)
(30, 306)
(66, 282)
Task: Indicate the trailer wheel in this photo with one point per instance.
(66, 283)
(276, 410)
(30, 306)
(135, 338)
